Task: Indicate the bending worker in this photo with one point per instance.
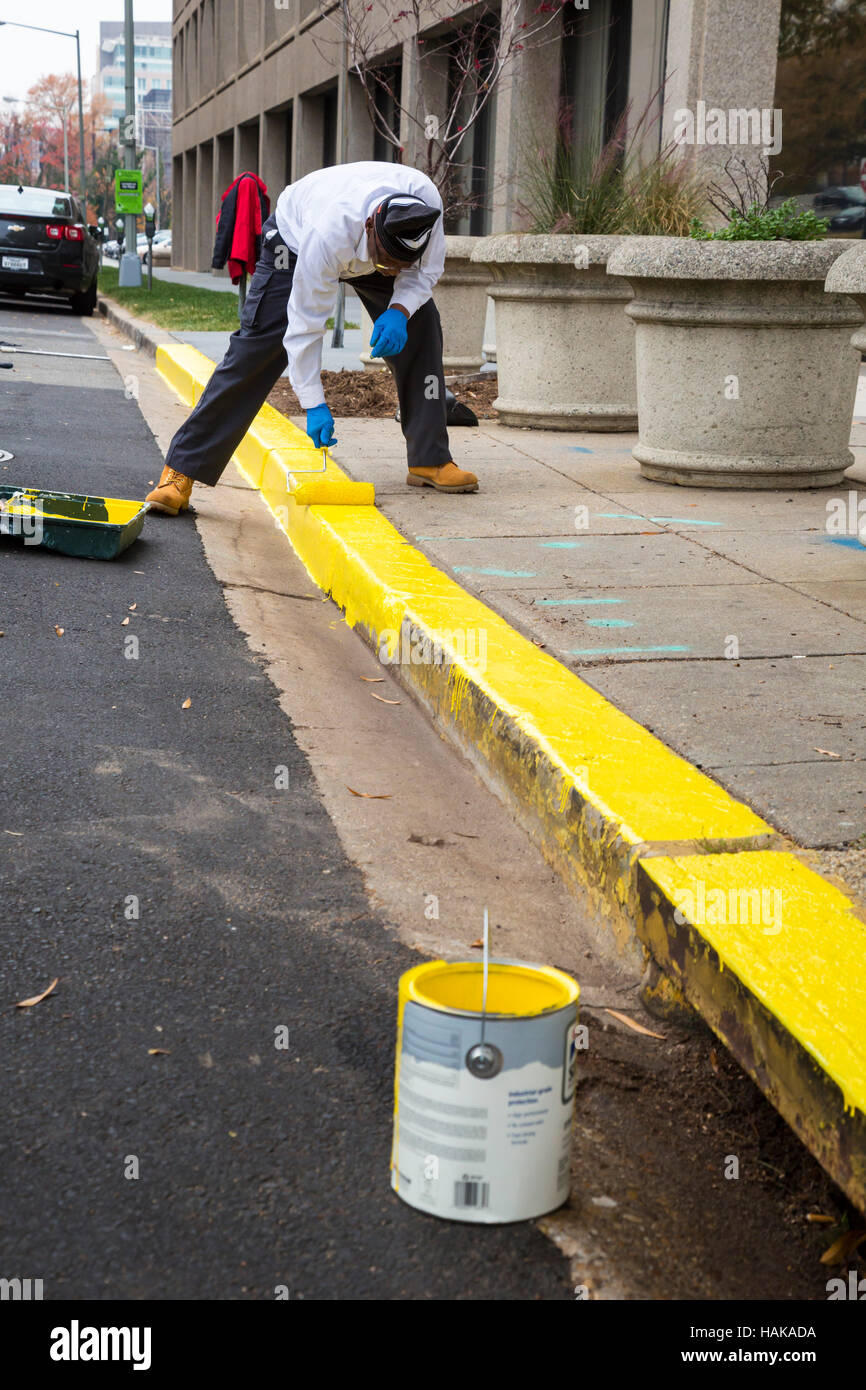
(378, 226)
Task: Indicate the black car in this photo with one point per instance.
(844, 196)
(45, 247)
(849, 220)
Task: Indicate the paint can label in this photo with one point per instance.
(484, 1149)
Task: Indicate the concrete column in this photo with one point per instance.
(309, 135)
(272, 152)
(722, 53)
(206, 210)
(360, 127)
(527, 102)
(424, 93)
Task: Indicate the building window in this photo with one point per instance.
(596, 47)
(385, 85)
(329, 128)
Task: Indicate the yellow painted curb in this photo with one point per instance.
(185, 369)
(792, 938)
(773, 958)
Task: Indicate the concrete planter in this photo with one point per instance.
(564, 348)
(460, 295)
(461, 298)
(490, 332)
(746, 375)
(848, 276)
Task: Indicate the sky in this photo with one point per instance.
(25, 56)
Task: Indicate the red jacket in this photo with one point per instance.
(246, 198)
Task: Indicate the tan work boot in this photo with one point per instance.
(448, 478)
(171, 495)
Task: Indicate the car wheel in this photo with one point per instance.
(85, 302)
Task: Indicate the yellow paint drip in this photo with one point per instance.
(810, 973)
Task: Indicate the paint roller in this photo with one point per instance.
(326, 486)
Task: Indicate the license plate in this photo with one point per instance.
(14, 263)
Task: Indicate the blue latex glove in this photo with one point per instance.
(320, 426)
(390, 332)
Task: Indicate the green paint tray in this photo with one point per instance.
(93, 528)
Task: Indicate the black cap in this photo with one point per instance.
(403, 225)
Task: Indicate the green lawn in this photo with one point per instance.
(178, 307)
(174, 306)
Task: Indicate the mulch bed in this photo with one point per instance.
(373, 394)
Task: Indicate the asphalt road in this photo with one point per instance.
(257, 1167)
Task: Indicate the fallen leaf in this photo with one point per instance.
(479, 943)
(59, 630)
(37, 998)
(186, 704)
(13, 832)
(843, 1248)
(371, 680)
(382, 700)
(132, 607)
(630, 1023)
(124, 623)
(370, 796)
(714, 1060)
(2, 634)
(819, 1217)
(827, 753)
(158, 1052)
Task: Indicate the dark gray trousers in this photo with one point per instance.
(256, 360)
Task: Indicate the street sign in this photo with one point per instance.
(127, 191)
(863, 174)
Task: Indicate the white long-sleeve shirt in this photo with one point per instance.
(321, 218)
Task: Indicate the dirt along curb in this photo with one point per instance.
(690, 883)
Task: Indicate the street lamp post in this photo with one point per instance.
(129, 271)
(66, 34)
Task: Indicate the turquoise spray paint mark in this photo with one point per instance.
(558, 545)
(680, 520)
(686, 521)
(494, 573)
(613, 651)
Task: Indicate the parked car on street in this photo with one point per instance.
(161, 248)
(45, 246)
(849, 220)
(840, 196)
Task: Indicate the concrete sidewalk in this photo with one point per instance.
(730, 624)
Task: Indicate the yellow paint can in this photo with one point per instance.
(484, 1096)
